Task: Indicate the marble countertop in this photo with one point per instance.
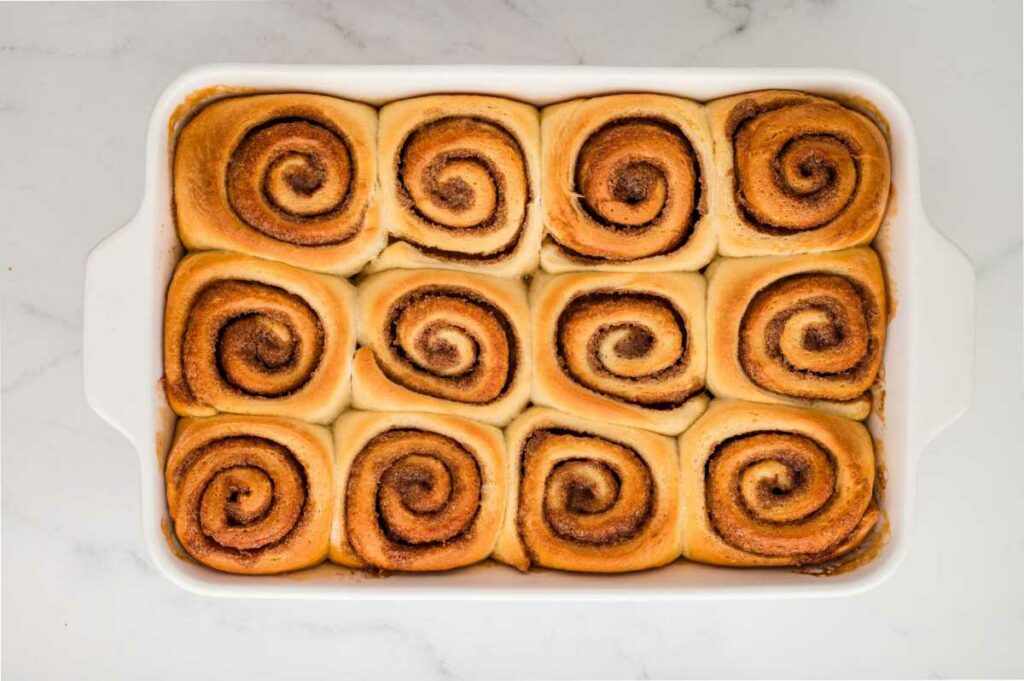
(80, 597)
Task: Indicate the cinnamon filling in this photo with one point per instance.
(798, 165)
(640, 188)
(779, 494)
(411, 492)
(450, 343)
(468, 176)
(249, 338)
(632, 347)
(594, 491)
(292, 179)
(239, 496)
(812, 335)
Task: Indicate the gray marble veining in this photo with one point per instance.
(80, 598)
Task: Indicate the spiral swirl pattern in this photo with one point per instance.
(246, 493)
(416, 491)
(630, 346)
(459, 183)
(777, 494)
(807, 174)
(639, 182)
(411, 493)
(813, 336)
(775, 485)
(443, 342)
(806, 330)
(451, 344)
(288, 177)
(242, 498)
(594, 491)
(590, 497)
(249, 336)
(455, 173)
(625, 181)
(291, 179)
(800, 167)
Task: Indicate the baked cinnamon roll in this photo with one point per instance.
(626, 348)
(799, 174)
(254, 336)
(806, 330)
(628, 184)
(589, 497)
(286, 177)
(775, 485)
(460, 184)
(443, 342)
(416, 491)
(251, 494)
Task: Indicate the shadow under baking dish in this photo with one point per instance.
(127, 276)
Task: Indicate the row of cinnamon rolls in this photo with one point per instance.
(251, 336)
(636, 182)
(747, 485)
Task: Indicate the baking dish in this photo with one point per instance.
(932, 284)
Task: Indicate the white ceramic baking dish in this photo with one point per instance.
(928, 356)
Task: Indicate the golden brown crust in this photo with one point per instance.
(628, 184)
(806, 330)
(443, 342)
(254, 336)
(251, 494)
(416, 491)
(626, 348)
(460, 184)
(619, 199)
(287, 177)
(589, 497)
(768, 485)
(798, 174)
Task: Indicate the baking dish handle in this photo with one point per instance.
(114, 327)
(943, 327)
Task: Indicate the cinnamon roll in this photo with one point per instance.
(287, 177)
(628, 184)
(589, 497)
(775, 485)
(443, 342)
(460, 184)
(798, 173)
(625, 348)
(254, 336)
(251, 494)
(806, 330)
(416, 491)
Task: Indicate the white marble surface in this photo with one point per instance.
(80, 598)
